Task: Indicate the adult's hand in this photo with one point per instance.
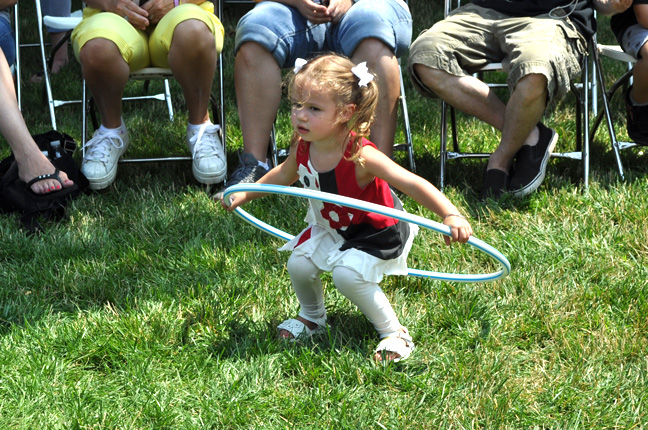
(337, 9)
(611, 7)
(157, 9)
(314, 12)
(131, 12)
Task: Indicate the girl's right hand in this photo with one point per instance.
(235, 200)
(459, 228)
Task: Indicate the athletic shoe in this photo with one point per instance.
(531, 163)
(247, 172)
(637, 121)
(101, 155)
(209, 162)
(495, 184)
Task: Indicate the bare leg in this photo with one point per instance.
(106, 74)
(516, 120)
(193, 59)
(31, 161)
(639, 91)
(382, 61)
(61, 56)
(523, 111)
(257, 79)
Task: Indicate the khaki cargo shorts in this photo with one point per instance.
(473, 36)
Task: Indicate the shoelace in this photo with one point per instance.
(99, 146)
(205, 142)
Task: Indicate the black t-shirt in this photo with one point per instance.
(580, 12)
(620, 22)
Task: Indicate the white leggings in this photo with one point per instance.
(367, 296)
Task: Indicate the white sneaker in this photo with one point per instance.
(101, 155)
(209, 162)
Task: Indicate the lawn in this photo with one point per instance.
(150, 307)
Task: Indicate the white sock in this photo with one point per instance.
(264, 165)
(121, 129)
(195, 127)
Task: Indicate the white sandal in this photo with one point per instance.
(300, 330)
(393, 342)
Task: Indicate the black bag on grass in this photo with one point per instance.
(17, 196)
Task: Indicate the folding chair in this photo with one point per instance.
(64, 24)
(146, 75)
(17, 67)
(579, 89)
(613, 52)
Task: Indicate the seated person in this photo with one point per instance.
(58, 8)
(34, 168)
(631, 31)
(116, 38)
(540, 44)
(273, 35)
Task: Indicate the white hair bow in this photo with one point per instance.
(362, 73)
(299, 63)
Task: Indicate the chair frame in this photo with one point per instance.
(616, 53)
(65, 24)
(579, 89)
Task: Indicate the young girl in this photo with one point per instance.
(333, 105)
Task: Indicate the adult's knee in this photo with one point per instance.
(250, 54)
(193, 38)
(532, 86)
(96, 53)
(433, 79)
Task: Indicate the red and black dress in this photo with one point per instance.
(371, 244)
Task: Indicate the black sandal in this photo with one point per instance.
(39, 178)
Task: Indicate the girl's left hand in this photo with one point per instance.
(157, 9)
(460, 229)
(337, 9)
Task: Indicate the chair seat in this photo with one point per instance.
(152, 73)
(615, 52)
(63, 23)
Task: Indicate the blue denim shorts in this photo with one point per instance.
(7, 41)
(287, 35)
(633, 39)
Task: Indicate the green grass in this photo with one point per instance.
(151, 308)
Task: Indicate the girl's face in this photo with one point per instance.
(315, 115)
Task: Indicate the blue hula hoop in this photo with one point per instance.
(372, 207)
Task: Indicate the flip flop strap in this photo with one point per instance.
(54, 175)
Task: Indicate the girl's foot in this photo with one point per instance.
(292, 326)
(394, 347)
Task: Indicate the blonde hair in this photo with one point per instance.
(331, 73)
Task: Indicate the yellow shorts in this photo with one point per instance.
(143, 48)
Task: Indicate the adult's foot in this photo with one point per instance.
(531, 163)
(496, 183)
(38, 166)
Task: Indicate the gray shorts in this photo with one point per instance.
(473, 36)
(633, 39)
